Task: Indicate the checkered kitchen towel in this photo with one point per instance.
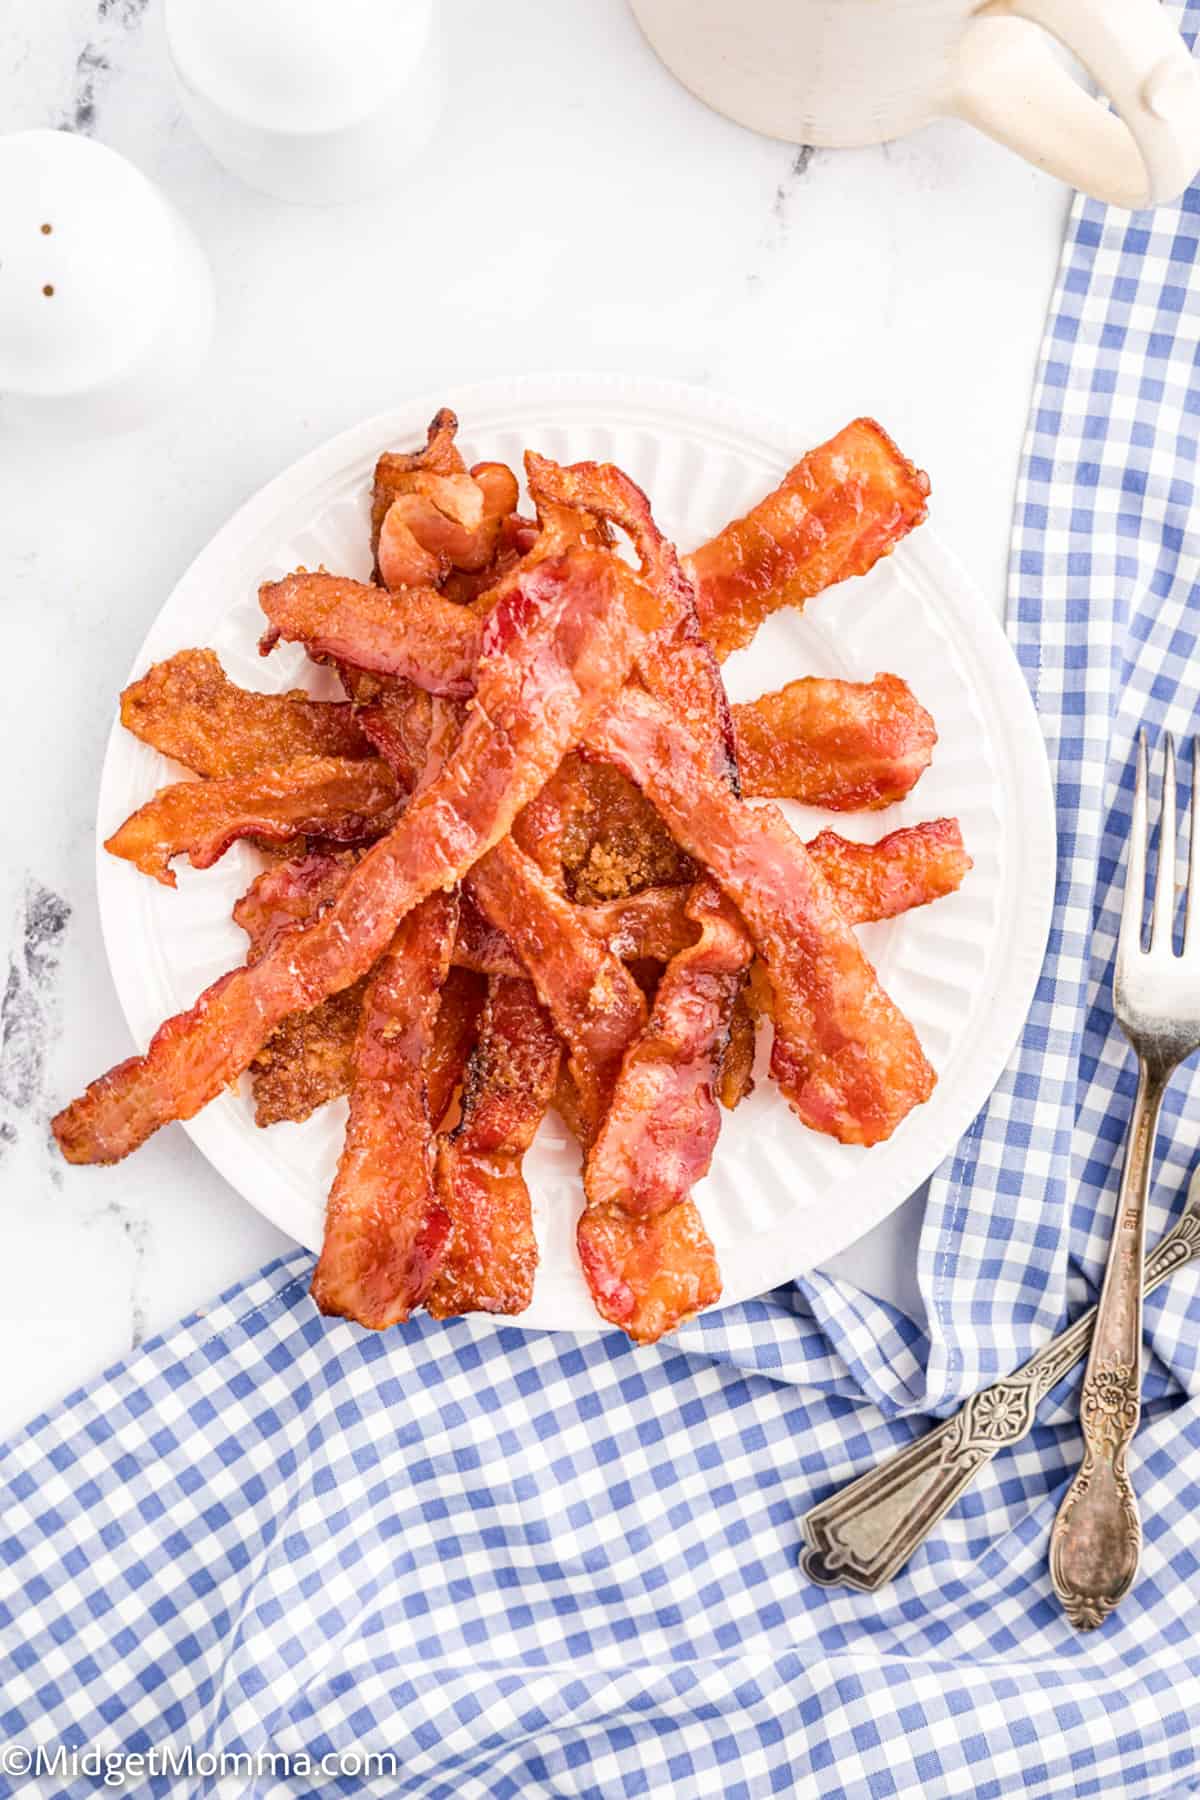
(522, 1564)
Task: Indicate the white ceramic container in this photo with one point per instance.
(847, 72)
(310, 100)
(106, 299)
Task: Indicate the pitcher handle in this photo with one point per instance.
(1009, 83)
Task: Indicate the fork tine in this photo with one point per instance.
(1162, 916)
(1133, 903)
(1191, 915)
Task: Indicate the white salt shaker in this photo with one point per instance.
(310, 100)
(106, 299)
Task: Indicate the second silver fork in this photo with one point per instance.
(1096, 1542)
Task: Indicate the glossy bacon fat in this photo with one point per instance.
(343, 801)
(648, 1275)
(844, 1055)
(841, 508)
(188, 709)
(908, 868)
(850, 746)
(385, 1229)
(557, 648)
(659, 1134)
(492, 1253)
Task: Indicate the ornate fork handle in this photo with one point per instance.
(864, 1534)
(1097, 1538)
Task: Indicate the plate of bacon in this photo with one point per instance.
(610, 878)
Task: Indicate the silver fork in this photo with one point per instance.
(862, 1535)
(1097, 1537)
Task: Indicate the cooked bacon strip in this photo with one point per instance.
(555, 650)
(844, 1055)
(187, 708)
(906, 869)
(842, 507)
(306, 1061)
(658, 1137)
(308, 1058)
(454, 1035)
(851, 746)
(492, 1255)
(439, 455)
(385, 1229)
(443, 522)
(676, 663)
(648, 1275)
(595, 1003)
(291, 893)
(735, 1076)
(327, 796)
(420, 637)
(661, 1127)
(515, 540)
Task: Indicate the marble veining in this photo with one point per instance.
(578, 210)
(29, 1013)
(115, 19)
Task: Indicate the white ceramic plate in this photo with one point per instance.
(779, 1199)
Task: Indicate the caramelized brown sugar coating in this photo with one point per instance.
(613, 843)
(187, 708)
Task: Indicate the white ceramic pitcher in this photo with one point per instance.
(845, 72)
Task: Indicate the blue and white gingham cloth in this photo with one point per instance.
(529, 1565)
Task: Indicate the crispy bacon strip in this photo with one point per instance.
(648, 1275)
(595, 1003)
(385, 1229)
(661, 1127)
(421, 638)
(555, 650)
(659, 1135)
(308, 1058)
(439, 455)
(515, 539)
(842, 507)
(844, 1055)
(492, 1255)
(291, 893)
(443, 522)
(187, 708)
(851, 746)
(306, 1061)
(676, 663)
(906, 869)
(340, 800)
(454, 1035)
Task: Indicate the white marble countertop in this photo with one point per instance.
(578, 211)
